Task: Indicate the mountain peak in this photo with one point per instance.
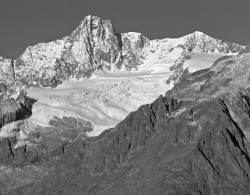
(95, 45)
(95, 20)
(90, 17)
(94, 24)
(199, 33)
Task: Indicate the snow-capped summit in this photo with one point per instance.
(192, 52)
(95, 45)
(205, 43)
(7, 73)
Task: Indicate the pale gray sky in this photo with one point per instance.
(27, 22)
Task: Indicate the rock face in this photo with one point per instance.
(3, 88)
(12, 110)
(195, 140)
(29, 152)
(36, 65)
(95, 45)
(133, 46)
(7, 72)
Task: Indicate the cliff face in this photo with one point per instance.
(35, 67)
(133, 50)
(7, 73)
(193, 144)
(93, 45)
(12, 110)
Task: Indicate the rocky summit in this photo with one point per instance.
(103, 112)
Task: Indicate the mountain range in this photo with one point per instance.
(175, 113)
(95, 45)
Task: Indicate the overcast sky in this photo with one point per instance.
(27, 22)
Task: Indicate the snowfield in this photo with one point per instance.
(199, 61)
(104, 99)
(149, 68)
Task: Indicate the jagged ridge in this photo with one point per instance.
(95, 45)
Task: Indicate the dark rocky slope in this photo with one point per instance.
(28, 153)
(12, 110)
(195, 140)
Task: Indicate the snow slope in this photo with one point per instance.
(104, 99)
(199, 61)
(105, 75)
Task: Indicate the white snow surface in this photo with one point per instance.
(104, 99)
(201, 60)
(154, 56)
(107, 98)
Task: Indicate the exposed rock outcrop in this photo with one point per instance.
(3, 88)
(12, 110)
(195, 140)
(93, 45)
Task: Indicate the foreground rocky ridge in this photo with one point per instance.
(195, 140)
(28, 152)
(12, 110)
(95, 45)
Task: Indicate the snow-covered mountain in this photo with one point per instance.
(91, 80)
(101, 76)
(107, 74)
(95, 46)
